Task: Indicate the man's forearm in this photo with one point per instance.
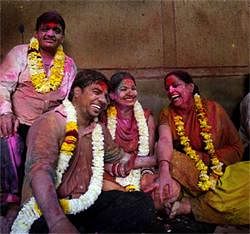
(45, 194)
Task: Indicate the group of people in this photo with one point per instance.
(92, 160)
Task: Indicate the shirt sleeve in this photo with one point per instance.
(43, 144)
(10, 70)
(112, 152)
(71, 69)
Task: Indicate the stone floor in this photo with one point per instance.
(187, 224)
(231, 229)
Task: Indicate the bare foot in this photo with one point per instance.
(180, 207)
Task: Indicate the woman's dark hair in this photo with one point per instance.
(118, 77)
(184, 76)
(50, 16)
(85, 78)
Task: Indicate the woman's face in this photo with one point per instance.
(126, 93)
(179, 93)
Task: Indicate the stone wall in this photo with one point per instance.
(208, 38)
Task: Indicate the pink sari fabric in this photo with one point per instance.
(126, 135)
(11, 149)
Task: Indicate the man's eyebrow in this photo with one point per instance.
(96, 88)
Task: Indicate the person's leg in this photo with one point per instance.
(13, 152)
(113, 212)
(10, 151)
(122, 212)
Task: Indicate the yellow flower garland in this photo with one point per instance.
(40, 81)
(205, 182)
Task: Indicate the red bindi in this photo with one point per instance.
(103, 86)
(128, 82)
(51, 24)
(170, 80)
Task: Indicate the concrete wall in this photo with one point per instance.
(208, 38)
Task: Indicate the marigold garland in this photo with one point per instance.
(205, 181)
(40, 81)
(30, 211)
(132, 181)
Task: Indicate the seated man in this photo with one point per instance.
(67, 149)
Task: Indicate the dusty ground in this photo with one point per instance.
(183, 224)
(187, 224)
(231, 229)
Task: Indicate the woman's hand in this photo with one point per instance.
(122, 168)
(150, 184)
(165, 180)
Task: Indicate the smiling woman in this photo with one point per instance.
(205, 150)
(133, 129)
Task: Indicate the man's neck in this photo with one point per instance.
(83, 120)
(47, 54)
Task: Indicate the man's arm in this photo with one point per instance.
(42, 157)
(9, 74)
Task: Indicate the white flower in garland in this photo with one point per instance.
(143, 148)
(31, 212)
(143, 144)
(133, 179)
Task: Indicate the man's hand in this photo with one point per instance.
(8, 125)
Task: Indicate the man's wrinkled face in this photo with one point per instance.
(50, 36)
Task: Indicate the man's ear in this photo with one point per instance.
(77, 92)
(112, 96)
(62, 39)
(191, 87)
